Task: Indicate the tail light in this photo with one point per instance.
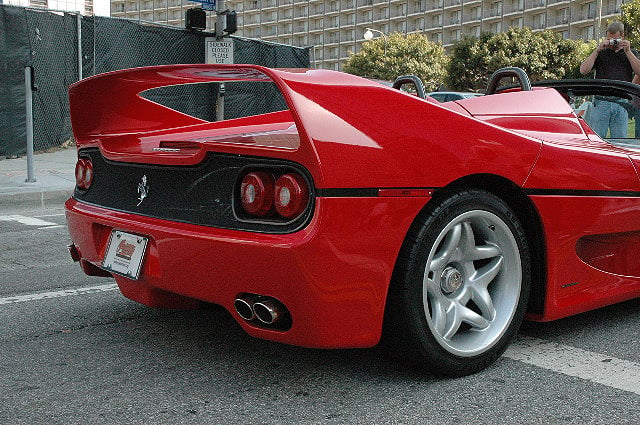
(274, 195)
(292, 195)
(256, 193)
(84, 173)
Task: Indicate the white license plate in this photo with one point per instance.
(125, 253)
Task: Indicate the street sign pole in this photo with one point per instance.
(220, 19)
(219, 34)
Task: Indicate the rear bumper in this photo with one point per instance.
(333, 276)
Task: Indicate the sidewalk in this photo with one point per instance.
(54, 174)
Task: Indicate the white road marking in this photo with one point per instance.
(595, 367)
(606, 370)
(50, 215)
(57, 226)
(58, 294)
(29, 221)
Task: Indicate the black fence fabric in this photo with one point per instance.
(48, 41)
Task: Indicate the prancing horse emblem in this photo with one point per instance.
(143, 190)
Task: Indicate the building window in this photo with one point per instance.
(496, 8)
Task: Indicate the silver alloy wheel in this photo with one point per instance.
(472, 282)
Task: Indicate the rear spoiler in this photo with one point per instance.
(110, 104)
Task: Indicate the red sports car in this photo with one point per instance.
(358, 210)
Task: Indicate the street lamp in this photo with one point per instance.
(368, 35)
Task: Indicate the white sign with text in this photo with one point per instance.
(218, 51)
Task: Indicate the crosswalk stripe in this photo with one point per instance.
(606, 370)
(58, 294)
(29, 221)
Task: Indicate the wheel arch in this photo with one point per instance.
(523, 208)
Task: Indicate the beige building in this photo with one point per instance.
(170, 12)
(85, 7)
(336, 27)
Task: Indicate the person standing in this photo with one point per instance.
(613, 59)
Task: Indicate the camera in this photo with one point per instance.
(614, 41)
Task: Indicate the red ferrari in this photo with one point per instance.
(358, 210)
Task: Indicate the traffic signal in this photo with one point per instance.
(195, 19)
(231, 24)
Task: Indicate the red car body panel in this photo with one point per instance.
(353, 134)
(333, 286)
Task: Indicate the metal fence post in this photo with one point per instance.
(79, 22)
(29, 86)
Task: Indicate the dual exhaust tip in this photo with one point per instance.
(264, 310)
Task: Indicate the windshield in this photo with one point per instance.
(614, 118)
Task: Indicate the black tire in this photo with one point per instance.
(461, 285)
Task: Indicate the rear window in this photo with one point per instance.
(241, 99)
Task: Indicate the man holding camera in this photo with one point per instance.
(613, 59)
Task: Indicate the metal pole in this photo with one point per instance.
(28, 87)
(79, 22)
(598, 19)
(219, 28)
(220, 21)
(220, 103)
(220, 18)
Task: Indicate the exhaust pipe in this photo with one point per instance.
(74, 252)
(244, 307)
(268, 311)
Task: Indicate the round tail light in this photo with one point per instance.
(84, 173)
(256, 193)
(292, 195)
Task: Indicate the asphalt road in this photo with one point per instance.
(73, 350)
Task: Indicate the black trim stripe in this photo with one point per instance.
(360, 192)
(366, 192)
(348, 192)
(574, 192)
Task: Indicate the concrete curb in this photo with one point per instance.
(54, 180)
(36, 198)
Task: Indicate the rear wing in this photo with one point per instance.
(110, 104)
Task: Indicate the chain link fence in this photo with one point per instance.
(55, 43)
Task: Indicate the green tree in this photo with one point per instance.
(468, 67)
(582, 50)
(387, 58)
(544, 55)
(631, 20)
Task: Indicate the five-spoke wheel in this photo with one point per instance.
(463, 283)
